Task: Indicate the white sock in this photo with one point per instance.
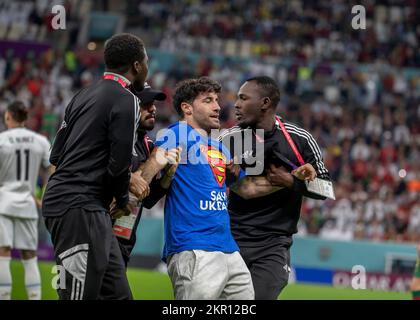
(32, 279)
(5, 279)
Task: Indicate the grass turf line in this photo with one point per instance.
(151, 285)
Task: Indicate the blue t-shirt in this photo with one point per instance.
(196, 215)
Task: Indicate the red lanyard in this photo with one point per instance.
(146, 144)
(259, 139)
(115, 77)
(290, 141)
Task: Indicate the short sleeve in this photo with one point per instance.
(226, 152)
(46, 150)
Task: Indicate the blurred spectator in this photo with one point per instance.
(357, 91)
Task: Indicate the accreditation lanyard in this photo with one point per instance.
(146, 143)
(290, 141)
(115, 77)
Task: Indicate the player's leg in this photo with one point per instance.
(26, 240)
(239, 285)
(198, 274)
(6, 242)
(32, 275)
(415, 283)
(270, 268)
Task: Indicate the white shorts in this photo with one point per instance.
(18, 233)
(210, 275)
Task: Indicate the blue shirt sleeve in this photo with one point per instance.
(225, 151)
(242, 175)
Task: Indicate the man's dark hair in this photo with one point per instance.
(188, 90)
(18, 111)
(268, 88)
(122, 50)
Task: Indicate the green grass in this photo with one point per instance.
(322, 292)
(150, 285)
(145, 284)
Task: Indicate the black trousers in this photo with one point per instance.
(86, 248)
(269, 266)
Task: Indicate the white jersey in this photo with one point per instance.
(22, 152)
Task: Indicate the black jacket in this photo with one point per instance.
(259, 220)
(93, 149)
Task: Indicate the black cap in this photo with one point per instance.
(148, 95)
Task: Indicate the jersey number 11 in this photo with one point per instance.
(19, 166)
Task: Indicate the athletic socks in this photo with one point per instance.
(5, 279)
(32, 279)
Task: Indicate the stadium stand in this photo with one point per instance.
(357, 91)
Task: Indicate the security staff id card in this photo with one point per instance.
(321, 187)
(123, 227)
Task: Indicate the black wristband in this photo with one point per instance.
(298, 185)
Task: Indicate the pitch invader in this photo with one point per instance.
(22, 153)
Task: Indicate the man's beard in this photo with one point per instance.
(146, 127)
(141, 130)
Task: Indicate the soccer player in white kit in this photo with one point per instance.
(22, 152)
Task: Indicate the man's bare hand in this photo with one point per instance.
(171, 167)
(233, 168)
(170, 170)
(138, 186)
(116, 212)
(120, 212)
(279, 176)
(158, 160)
(306, 172)
(165, 157)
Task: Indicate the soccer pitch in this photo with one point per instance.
(151, 285)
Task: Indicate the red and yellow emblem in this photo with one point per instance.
(217, 163)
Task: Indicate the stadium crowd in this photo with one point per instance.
(347, 87)
(304, 30)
